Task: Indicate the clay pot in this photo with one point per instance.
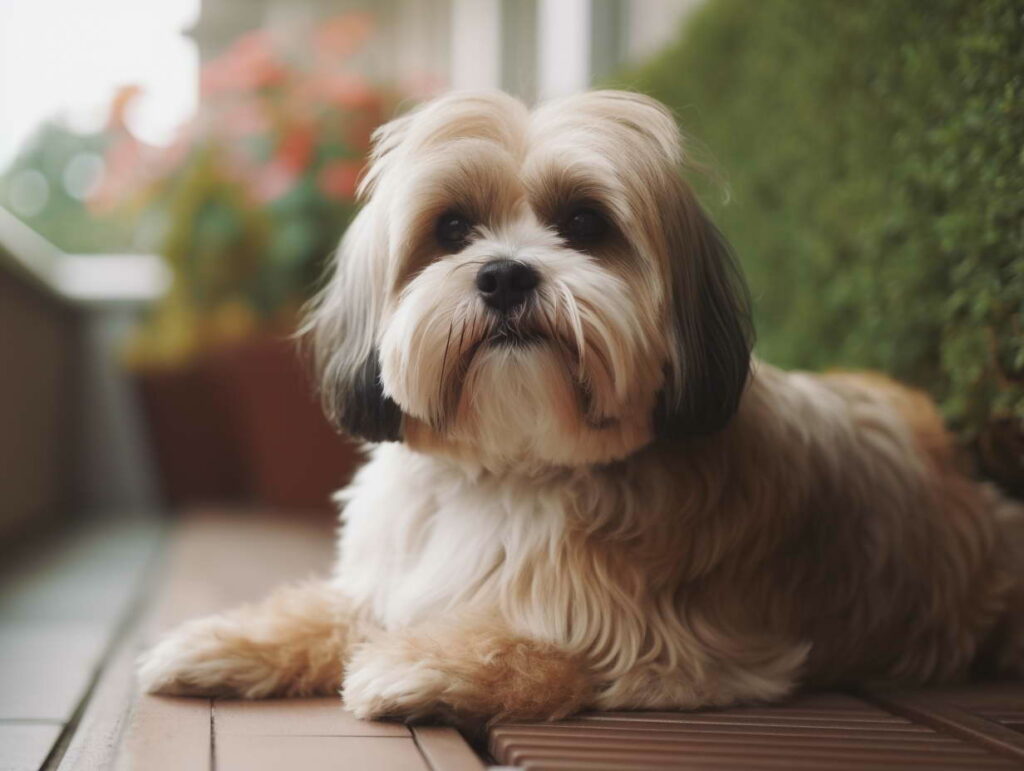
(241, 425)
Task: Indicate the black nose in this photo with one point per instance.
(505, 284)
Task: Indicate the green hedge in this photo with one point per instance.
(874, 155)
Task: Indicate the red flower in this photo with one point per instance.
(296, 149)
(273, 181)
(339, 179)
(249, 64)
(264, 91)
(242, 118)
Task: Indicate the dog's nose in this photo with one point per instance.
(505, 284)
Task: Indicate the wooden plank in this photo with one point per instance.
(603, 761)
(445, 750)
(724, 719)
(24, 746)
(214, 560)
(296, 717)
(997, 701)
(831, 730)
(168, 734)
(317, 753)
(929, 710)
(743, 745)
(531, 758)
(219, 559)
(95, 741)
(503, 735)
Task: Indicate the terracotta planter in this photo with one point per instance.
(292, 457)
(242, 426)
(194, 441)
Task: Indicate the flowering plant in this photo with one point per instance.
(257, 188)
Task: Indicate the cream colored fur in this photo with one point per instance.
(615, 515)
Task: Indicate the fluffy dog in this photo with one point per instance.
(583, 493)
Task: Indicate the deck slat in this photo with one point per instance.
(216, 561)
(169, 734)
(317, 753)
(942, 713)
(837, 731)
(445, 749)
(297, 717)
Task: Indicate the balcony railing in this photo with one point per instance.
(70, 438)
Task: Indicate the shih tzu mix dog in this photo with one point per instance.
(583, 494)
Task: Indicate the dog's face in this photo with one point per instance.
(531, 288)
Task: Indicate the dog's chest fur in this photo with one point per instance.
(421, 536)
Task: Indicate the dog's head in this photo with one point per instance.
(531, 287)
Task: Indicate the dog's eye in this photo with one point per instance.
(453, 231)
(584, 227)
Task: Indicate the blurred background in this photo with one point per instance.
(174, 175)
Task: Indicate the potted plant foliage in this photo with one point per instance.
(251, 200)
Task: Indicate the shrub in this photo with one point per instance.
(874, 152)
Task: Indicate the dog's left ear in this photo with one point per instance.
(343, 320)
(711, 333)
(341, 333)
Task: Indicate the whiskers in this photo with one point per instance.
(471, 326)
(553, 317)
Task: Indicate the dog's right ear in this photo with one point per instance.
(340, 330)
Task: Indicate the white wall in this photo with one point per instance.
(564, 47)
(476, 44)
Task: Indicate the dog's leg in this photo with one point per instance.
(464, 671)
(293, 643)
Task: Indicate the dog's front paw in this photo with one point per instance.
(384, 682)
(202, 658)
(291, 644)
(463, 675)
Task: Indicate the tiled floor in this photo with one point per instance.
(73, 621)
(70, 635)
(61, 608)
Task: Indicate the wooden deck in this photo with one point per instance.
(962, 729)
(74, 618)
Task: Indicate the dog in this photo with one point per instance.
(582, 491)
